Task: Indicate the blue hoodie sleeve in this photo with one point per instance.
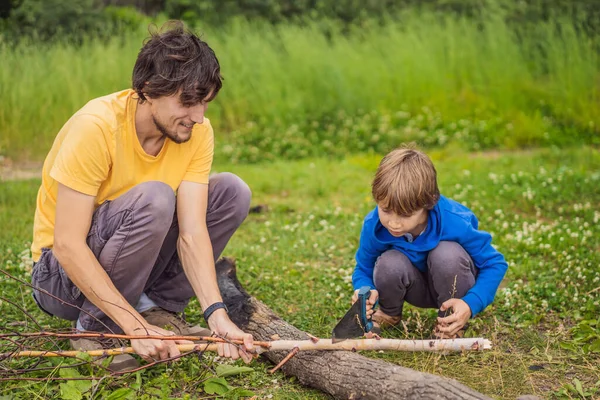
(491, 264)
(366, 256)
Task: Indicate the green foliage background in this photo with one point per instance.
(303, 79)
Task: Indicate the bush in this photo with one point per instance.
(355, 11)
(71, 20)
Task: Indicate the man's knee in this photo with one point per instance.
(54, 293)
(391, 266)
(233, 190)
(157, 200)
(449, 259)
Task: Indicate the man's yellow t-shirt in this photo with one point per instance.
(97, 153)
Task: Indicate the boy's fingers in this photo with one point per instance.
(450, 329)
(447, 304)
(448, 320)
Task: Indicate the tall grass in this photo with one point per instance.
(287, 75)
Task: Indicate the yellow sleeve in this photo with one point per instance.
(199, 169)
(83, 161)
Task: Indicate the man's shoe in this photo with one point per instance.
(119, 363)
(173, 322)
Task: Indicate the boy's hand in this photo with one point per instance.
(370, 301)
(450, 325)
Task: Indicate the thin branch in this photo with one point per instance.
(52, 378)
(54, 297)
(126, 310)
(292, 353)
(26, 370)
(24, 311)
(166, 360)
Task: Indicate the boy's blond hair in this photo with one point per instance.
(406, 182)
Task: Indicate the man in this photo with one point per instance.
(128, 223)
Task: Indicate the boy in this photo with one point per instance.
(424, 248)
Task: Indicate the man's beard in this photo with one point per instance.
(161, 128)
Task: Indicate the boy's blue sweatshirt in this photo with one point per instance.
(448, 221)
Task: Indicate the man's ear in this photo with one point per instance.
(146, 97)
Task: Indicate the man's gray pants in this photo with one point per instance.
(450, 274)
(134, 237)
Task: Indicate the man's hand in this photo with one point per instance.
(370, 301)
(220, 323)
(450, 325)
(153, 350)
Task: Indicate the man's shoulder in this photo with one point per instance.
(109, 111)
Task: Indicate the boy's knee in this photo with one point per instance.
(449, 259)
(390, 266)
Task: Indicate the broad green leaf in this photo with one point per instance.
(119, 394)
(69, 373)
(579, 387)
(216, 386)
(224, 370)
(82, 386)
(595, 346)
(69, 392)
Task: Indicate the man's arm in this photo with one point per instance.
(74, 212)
(195, 252)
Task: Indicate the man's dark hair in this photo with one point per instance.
(174, 59)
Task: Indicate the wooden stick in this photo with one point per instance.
(103, 353)
(441, 345)
(98, 335)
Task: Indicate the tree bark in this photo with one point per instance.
(342, 374)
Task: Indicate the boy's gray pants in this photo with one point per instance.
(450, 274)
(134, 237)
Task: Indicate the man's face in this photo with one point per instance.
(398, 225)
(174, 120)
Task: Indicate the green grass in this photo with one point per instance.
(313, 90)
(541, 207)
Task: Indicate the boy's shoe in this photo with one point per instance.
(119, 363)
(382, 320)
(173, 322)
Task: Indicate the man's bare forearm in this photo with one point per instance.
(195, 253)
(85, 271)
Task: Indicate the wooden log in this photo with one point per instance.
(342, 374)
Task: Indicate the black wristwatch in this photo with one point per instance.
(212, 308)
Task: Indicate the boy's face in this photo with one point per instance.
(398, 225)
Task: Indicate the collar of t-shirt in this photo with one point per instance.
(410, 238)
